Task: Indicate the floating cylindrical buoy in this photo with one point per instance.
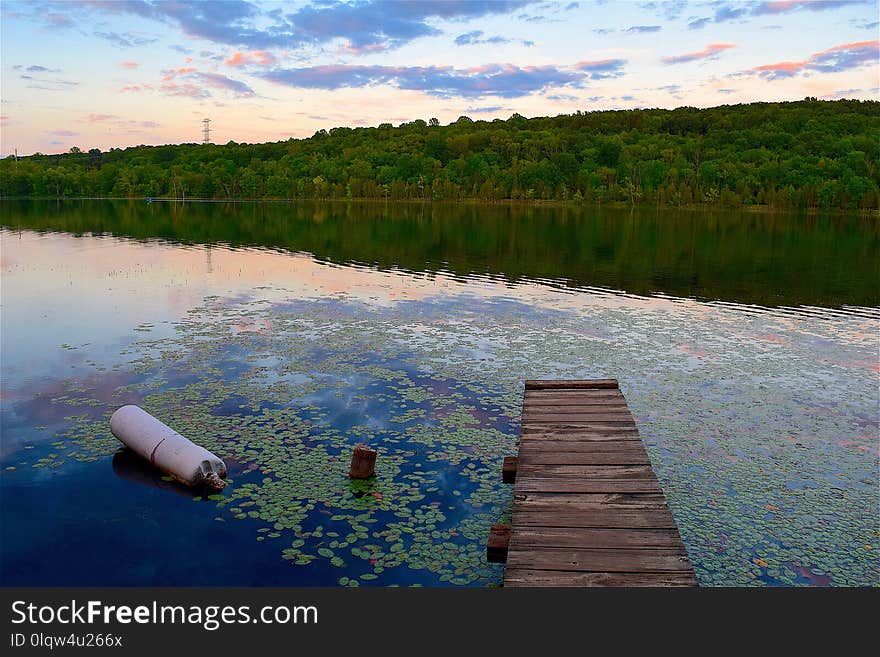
(166, 449)
(363, 462)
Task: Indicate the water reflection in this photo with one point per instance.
(750, 258)
(131, 467)
(761, 421)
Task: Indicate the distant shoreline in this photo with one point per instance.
(522, 203)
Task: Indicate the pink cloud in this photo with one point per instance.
(263, 58)
(170, 73)
(260, 57)
(782, 67)
(186, 89)
(64, 133)
(237, 59)
(709, 51)
(137, 87)
(855, 45)
(843, 57)
(129, 65)
(351, 49)
(98, 118)
(784, 6)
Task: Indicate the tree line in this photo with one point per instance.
(805, 154)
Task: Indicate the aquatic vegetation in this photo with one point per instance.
(761, 425)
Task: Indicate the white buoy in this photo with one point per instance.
(166, 449)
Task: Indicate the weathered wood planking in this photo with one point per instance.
(588, 510)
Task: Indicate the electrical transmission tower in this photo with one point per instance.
(206, 131)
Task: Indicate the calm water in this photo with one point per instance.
(281, 335)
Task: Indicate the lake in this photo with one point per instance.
(281, 335)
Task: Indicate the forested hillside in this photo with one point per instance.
(788, 155)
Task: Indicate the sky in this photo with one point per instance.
(117, 73)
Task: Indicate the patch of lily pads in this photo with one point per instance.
(762, 427)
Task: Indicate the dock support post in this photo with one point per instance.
(496, 546)
(508, 469)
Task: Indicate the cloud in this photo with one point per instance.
(188, 81)
(364, 24)
(712, 50)
(387, 23)
(668, 9)
(126, 39)
(537, 18)
(57, 21)
(503, 80)
(137, 87)
(727, 91)
(468, 38)
(484, 110)
(218, 81)
(639, 29)
(843, 93)
(602, 68)
(836, 59)
(187, 89)
(46, 84)
(129, 64)
(36, 68)
(64, 133)
(129, 125)
(260, 57)
(785, 6)
(476, 37)
(845, 56)
(730, 12)
(568, 98)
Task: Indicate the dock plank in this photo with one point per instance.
(611, 518)
(586, 537)
(570, 501)
(529, 484)
(618, 457)
(524, 577)
(602, 560)
(588, 509)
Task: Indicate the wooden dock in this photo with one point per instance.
(588, 509)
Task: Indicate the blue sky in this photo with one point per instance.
(106, 73)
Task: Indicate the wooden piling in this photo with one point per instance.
(363, 462)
